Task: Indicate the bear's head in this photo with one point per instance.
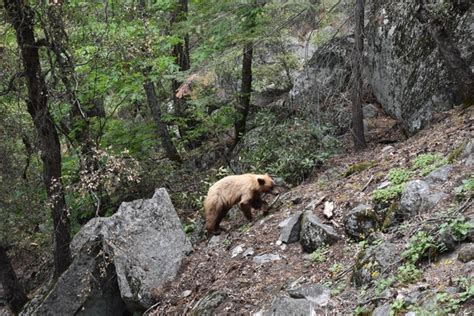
(265, 182)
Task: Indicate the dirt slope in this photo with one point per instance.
(250, 286)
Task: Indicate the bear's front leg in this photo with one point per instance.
(246, 208)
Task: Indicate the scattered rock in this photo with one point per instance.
(387, 148)
(296, 200)
(314, 233)
(249, 252)
(369, 110)
(207, 304)
(328, 209)
(384, 185)
(439, 175)
(285, 306)
(237, 251)
(315, 293)
(373, 260)
(186, 293)
(269, 257)
(470, 233)
(466, 253)
(382, 310)
(361, 221)
(412, 198)
(214, 241)
(290, 231)
(468, 154)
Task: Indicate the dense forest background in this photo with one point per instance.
(103, 101)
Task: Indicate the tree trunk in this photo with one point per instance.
(21, 17)
(161, 127)
(458, 68)
(58, 41)
(245, 92)
(14, 294)
(357, 115)
(181, 55)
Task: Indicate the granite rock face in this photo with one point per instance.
(405, 70)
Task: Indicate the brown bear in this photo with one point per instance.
(245, 189)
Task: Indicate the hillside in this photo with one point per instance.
(225, 268)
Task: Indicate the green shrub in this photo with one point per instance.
(387, 194)
(319, 255)
(291, 148)
(399, 175)
(426, 163)
(408, 273)
(419, 245)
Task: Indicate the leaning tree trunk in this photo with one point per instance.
(21, 17)
(357, 115)
(458, 68)
(14, 294)
(245, 92)
(161, 128)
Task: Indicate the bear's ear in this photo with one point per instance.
(261, 181)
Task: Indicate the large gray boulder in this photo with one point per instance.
(88, 287)
(315, 234)
(417, 197)
(404, 68)
(143, 246)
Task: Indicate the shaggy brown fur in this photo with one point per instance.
(245, 189)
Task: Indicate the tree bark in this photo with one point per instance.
(181, 54)
(161, 127)
(21, 17)
(14, 293)
(245, 92)
(357, 115)
(458, 68)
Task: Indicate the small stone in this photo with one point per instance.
(186, 293)
(384, 185)
(466, 253)
(369, 110)
(290, 232)
(296, 200)
(387, 148)
(237, 250)
(266, 258)
(383, 310)
(439, 175)
(214, 241)
(249, 252)
(278, 242)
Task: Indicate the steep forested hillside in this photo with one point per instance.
(118, 116)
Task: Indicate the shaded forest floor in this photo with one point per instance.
(250, 286)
